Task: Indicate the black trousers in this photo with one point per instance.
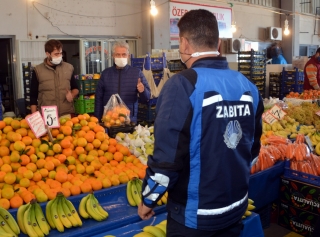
(175, 229)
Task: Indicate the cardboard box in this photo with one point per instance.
(299, 62)
(300, 195)
(299, 221)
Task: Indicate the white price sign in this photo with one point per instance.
(269, 118)
(50, 116)
(36, 124)
(277, 112)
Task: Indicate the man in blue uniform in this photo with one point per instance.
(207, 132)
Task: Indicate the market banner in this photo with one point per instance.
(178, 9)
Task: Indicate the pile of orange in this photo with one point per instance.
(80, 159)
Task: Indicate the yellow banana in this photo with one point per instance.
(154, 231)
(41, 220)
(49, 214)
(164, 222)
(250, 201)
(250, 207)
(82, 207)
(144, 234)
(20, 213)
(10, 220)
(27, 221)
(3, 233)
(135, 194)
(162, 227)
(159, 203)
(129, 194)
(139, 187)
(93, 210)
(74, 212)
(62, 215)
(55, 216)
(67, 212)
(34, 223)
(166, 194)
(99, 207)
(164, 199)
(248, 213)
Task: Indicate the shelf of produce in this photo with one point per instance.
(114, 201)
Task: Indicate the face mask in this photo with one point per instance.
(197, 54)
(56, 61)
(121, 62)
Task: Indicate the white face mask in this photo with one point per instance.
(121, 62)
(197, 54)
(56, 61)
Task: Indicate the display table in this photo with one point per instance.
(114, 201)
(264, 185)
(252, 227)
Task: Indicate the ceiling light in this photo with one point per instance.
(233, 27)
(286, 27)
(153, 10)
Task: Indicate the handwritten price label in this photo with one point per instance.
(277, 112)
(36, 124)
(269, 118)
(50, 116)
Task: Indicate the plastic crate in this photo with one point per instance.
(84, 106)
(93, 85)
(84, 86)
(301, 176)
(146, 113)
(265, 215)
(112, 131)
(152, 63)
(294, 76)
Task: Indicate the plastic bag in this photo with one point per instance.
(115, 112)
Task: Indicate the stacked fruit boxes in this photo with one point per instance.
(275, 84)
(27, 71)
(252, 64)
(299, 201)
(291, 81)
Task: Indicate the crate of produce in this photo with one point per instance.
(299, 221)
(300, 195)
(113, 130)
(93, 85)
(113, 200)
(300, 176)
(146, 113)
(84, 106)
(266, 181)
(84, 86)
(293, 76)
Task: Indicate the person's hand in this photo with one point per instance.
(69, 96)
(140, 86)
(145, 212)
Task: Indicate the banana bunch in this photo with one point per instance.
(134, 189)
(249, 208)
(61, 213)
(159, 230)
(8, 225)
(163, 200)
(90, 208)
(31, 220)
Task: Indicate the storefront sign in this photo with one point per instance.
(36, 124)
(178, 9)
(50, 116)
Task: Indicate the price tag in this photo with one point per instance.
(318, 113)
(269, 118)
(277, 112)
(36, 124)
(50, 116)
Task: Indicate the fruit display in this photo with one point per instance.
(31, 219)
(90, 208)
(140, 142)
(9, 226)
(158, 230)
(81, 158)
(305, 95)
